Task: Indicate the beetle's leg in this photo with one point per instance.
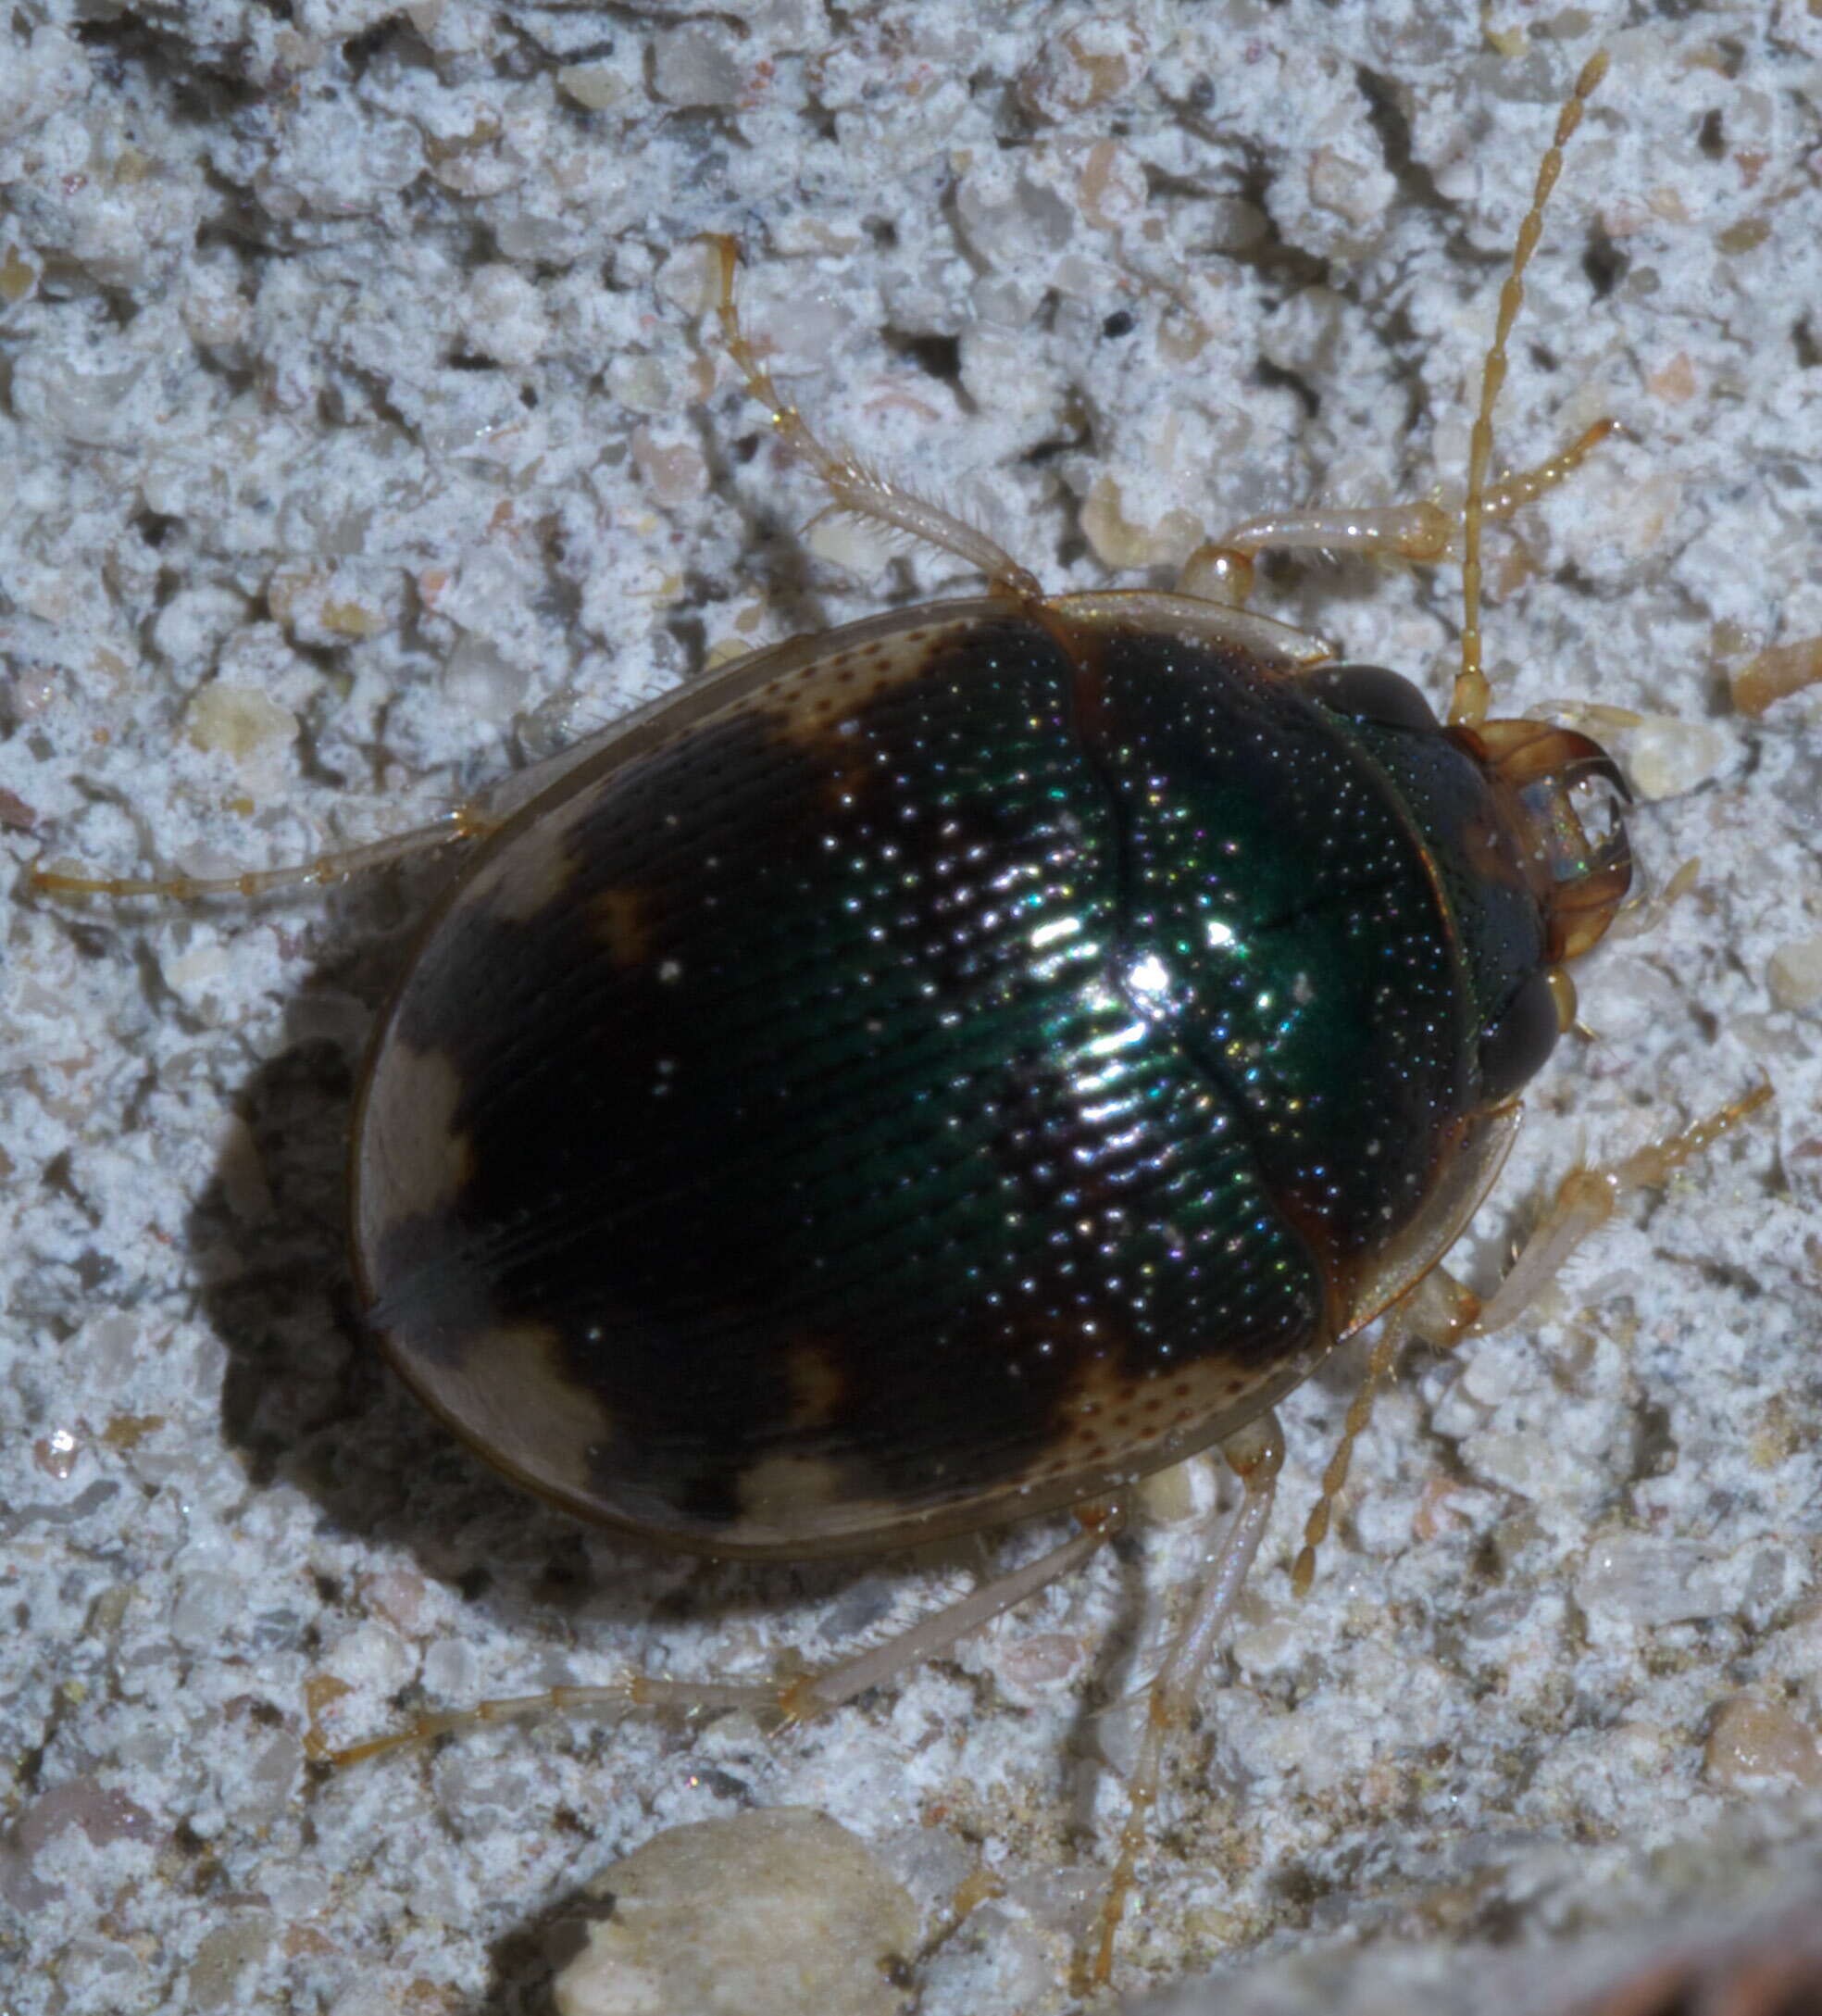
(1443, 1310)
(465, 822)
(1585, 1200)
(1253, 1455)
(1394, 1331)
(474, 818)
(799, 1699)
(1519, 487)
(1222, 571)
(853, 486)
(816, 1692)
(631, 1691)
(1423, 532)
(1439, 1308)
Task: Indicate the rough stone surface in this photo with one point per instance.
(1763, 1959)
(364, 439)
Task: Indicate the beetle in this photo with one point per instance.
(1026, 942)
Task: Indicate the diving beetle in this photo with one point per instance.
(945, 1069)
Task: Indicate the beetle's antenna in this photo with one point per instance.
(1469, 703)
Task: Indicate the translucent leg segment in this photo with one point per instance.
(1386, 1348)
(1586, 1198)
(1255, 1455)
(800, 1699)
(1442, 1310)
(465, 823)
(850, 485)
(1422, 533)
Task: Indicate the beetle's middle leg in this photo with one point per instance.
(1584, 1200)
(1255, 1455)
(1423, 532)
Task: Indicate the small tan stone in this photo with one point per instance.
(594, 86)
(1755, 1740)
(766, 1914)
(1793, 973)
(238, 722)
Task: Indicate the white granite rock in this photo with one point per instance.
(363, 436)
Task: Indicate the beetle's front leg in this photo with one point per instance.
(1441, 1309)
(1583, 1202)
(853, 486)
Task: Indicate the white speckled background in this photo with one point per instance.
(361, 440)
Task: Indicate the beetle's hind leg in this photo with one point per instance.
(853, 486)
(799, 1699)
(1423, 532)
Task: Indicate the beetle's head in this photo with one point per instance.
(1534, 854)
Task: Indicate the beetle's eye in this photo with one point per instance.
(1369, 693)
(1513, 1048)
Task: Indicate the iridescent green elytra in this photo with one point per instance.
(980, 1056)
